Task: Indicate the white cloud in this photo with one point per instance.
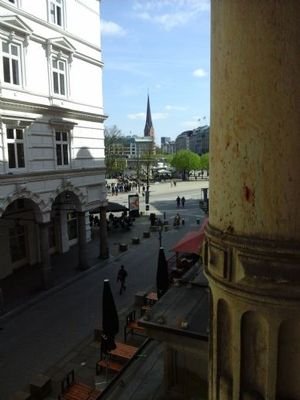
(140, 115)
(157, 116)
(170, 13)
(199, 73)
(168, 107)
(111, 28)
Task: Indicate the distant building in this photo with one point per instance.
(196, 140)
(167, 145)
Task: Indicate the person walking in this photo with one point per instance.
(178, 201)
(182, 201)
(122, 275)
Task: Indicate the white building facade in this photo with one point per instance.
(52, 169)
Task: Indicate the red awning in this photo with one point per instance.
(192, 241)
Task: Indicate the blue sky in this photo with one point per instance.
(161, 47)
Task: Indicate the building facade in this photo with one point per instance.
(196, 140)
(52, 137)
(167, 145)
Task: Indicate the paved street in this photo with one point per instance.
(38, 337)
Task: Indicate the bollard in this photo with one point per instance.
(123, 247)
(182, 221)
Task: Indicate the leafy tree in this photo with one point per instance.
(186, 161)
(114, 151)
(205, 162)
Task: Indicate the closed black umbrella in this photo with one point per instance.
(110, 319)
(162, 274)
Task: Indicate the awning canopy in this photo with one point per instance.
(192, 241)
(111, 207)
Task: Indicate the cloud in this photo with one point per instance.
(170, 14)
(199, 73)
(142, 116)
(110, 28)
(175, 108)
(157, 116)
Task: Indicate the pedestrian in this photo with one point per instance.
(178, 201)
(122, 275)
(182, 201)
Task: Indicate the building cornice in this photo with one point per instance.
(50, 175)
(33, 108)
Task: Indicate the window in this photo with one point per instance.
(62, 148)
(56, 12)
(59, 76)
(11, 63)
(15, 148)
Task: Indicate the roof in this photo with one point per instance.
(182, 311)
(192, 241)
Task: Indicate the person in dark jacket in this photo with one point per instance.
(182, 201)
(122, 275)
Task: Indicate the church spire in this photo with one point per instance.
(149, 129)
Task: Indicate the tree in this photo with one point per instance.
(205, 162)
(114, 151)
(186, 161)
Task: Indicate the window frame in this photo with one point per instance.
(12, 57)
(63, 144)
(15, 141)
(53, 17)
(56, 71)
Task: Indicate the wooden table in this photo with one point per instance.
(124, 351)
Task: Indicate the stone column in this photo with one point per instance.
(46, 269)
(254, 225)
(104, 249)
(82, 243)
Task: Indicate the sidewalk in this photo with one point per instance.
(24, 285)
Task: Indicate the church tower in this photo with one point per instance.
(149, 129)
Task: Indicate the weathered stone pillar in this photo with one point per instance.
(82, 243)
(46, 269)
(104, 249)
(254, 224)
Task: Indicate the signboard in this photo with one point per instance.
(134, 205)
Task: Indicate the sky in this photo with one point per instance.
(160, 48)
